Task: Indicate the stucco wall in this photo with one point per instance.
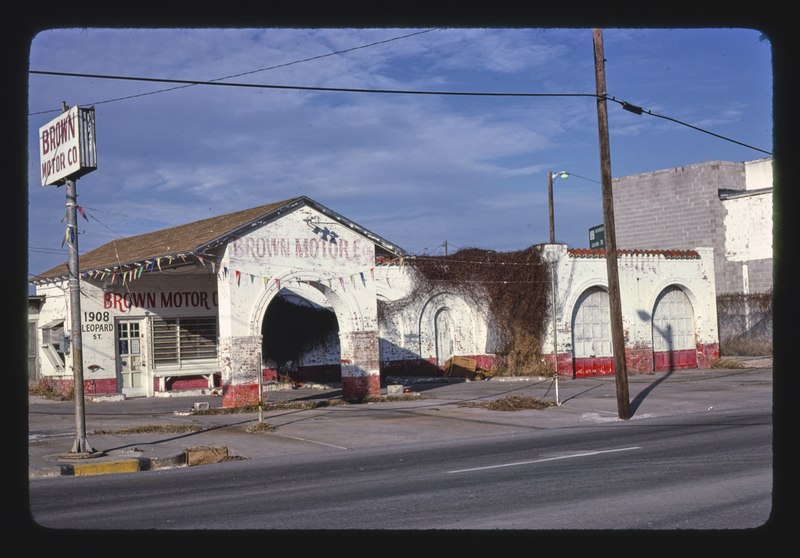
(291, 254)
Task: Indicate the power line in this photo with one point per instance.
(311, 88)
(276, 66)
(187, 83)
(639, 110)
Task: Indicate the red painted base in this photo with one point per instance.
(240, 396)
(359, 388)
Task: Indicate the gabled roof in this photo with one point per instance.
(198, 237)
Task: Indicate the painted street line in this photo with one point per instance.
(585, 454)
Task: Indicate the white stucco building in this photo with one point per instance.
(294, 288)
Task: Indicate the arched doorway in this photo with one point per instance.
(444, 336)
(591, 334)
(674, 344)
(300, 340)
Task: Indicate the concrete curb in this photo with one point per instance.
(201, 455)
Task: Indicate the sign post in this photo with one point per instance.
(67, 150)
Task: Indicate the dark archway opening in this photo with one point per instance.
(301, 340)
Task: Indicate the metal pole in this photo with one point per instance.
(81, 445)
(260, 396)
(617, 336)
(555, 342)
(552, 213)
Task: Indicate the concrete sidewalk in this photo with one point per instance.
(168, 432)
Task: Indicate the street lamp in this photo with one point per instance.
(550, 176)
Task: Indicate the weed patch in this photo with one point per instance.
(727, 363)
(260, 426)
(512, 403)
(153, 429)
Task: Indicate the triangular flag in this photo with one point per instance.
(278, 283)
(80, 209)
(201, 261)
(237, 277)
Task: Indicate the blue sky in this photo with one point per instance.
(418, 170)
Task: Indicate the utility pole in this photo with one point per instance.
(617, 336)
(81, 445)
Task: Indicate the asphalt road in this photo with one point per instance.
(697, 454)
(710, 472)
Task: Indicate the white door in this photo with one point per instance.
(444, 336)
(674, 344)
(131, 361)
(591, 333)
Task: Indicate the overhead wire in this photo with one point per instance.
(274, 67)
(186, 82)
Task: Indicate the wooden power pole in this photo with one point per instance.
(617, 335)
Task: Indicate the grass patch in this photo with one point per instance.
(154, 429)
(277, 406)
(512, 403)
(392, 398)
(260, 427)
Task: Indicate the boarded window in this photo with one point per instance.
(177, 340)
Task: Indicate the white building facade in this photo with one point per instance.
(295, 289)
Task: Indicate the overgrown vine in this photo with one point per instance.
(514, 286)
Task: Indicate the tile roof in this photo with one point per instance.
(601, 253)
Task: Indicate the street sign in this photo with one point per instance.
(597, 236)
(67, 146)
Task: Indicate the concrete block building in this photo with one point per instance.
(723, 205)
(294, 289)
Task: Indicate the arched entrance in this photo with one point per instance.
(674, 344)
(300, 340)
(444, 336)
(591, 334)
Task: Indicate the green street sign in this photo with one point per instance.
(597, 236)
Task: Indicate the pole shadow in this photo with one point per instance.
(666, 333)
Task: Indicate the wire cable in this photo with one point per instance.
(625, 105)
(285, 64)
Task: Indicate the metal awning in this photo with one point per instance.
(53, 324)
